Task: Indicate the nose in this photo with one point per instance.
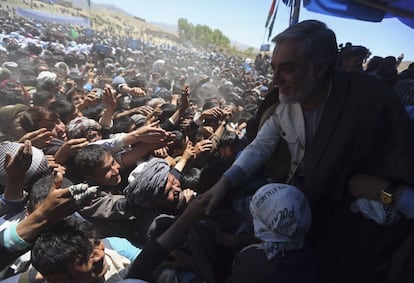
(276, 78)
(61, 127)
(115, 168)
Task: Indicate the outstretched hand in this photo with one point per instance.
(69, 148)
(215, 194)
(110, 99)
(16, 168)
(151, 133)
(185, 103)
(39, 138)
(203, 146)
(59, 202)
(18, 165)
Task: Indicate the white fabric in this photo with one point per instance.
(114, 144)
(286, 122)
(116, 266)
(381, 213)
(6, 222)
(281, 218)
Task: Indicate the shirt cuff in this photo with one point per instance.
(406, 203)
(14, 202)
(197, 120)
(12, 240)
(234, 175)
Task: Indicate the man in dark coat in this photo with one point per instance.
(338, 137)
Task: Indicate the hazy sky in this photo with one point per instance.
(244, 20)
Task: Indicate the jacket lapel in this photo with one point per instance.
(334, 107)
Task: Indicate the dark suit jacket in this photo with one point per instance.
(252, 266)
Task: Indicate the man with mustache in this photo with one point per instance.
(339, 137)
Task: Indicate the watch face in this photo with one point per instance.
(386, 197)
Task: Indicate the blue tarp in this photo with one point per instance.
(60, 19)
(352, 10)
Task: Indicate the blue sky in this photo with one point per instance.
(244, 20)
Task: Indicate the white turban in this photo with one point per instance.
(281, 218)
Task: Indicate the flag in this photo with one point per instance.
(74, 33)
(271, 10)
(273, 22)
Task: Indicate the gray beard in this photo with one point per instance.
(291, 99)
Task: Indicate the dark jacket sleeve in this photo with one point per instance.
(150, 257)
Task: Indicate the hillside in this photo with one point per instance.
(107, 19)
(112, 20)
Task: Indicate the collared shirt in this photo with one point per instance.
(286, 122)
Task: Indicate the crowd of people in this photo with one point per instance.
(164, 163)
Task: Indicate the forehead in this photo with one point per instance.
(171, 179)
(105, 164)
(288, 51)
(107, 159)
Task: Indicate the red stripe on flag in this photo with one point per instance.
(271, 10)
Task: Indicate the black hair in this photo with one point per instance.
(122, 124)
(177, 143)
(167, 111)
(138, 82)
(228, 138)
(42, 97)
(208, 104)
(72, 91)
(32, 118)
(137, 101)
(89, 157)
(41, 189)
(59, 246)
(164, 83)
(63, 108)
(11, 93)
(191, 178)
(94, 112)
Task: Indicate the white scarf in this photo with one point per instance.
(281, 218)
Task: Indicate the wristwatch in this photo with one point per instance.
(386, 194)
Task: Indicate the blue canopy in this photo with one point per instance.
(366, 10)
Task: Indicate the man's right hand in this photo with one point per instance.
(212, 113)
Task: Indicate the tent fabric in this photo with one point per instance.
(351, 9)
(60, 19)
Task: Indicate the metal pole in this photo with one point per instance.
(294, 12)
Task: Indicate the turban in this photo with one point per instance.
(147, 181)
(38, 168)
(281, 218)
(78, 127)
(7, 115)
